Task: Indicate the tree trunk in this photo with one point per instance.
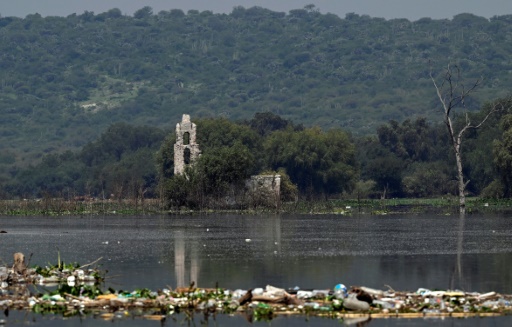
(451, 98)
(461, 183)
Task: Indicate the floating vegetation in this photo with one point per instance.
(78, 291)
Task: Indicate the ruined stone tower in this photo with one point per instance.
(186, 150)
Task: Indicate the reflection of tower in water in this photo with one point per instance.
(180, 261)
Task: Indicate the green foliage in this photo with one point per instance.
(363, 189)
(120, 162)
(227, 166)
(502, 150)
(182, 190)
(412, 140)
(428, 180)
(263, 312)
(495, 190)
(317, 162)
(143, 13)
(265, 123)
(214, 134)
(45, 308)
(66, 79)
(308, 160)
(289, 192)
(212, 176)
(91, 291)
(480, 144)
(47, 271)
(165, 157)
(119, 139)
(408, 159)
(387, 174)
(56, 174)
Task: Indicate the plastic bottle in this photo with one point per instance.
(340, 291)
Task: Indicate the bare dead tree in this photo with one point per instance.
(452, 94)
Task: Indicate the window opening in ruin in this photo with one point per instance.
(186, 156)
(186, 138)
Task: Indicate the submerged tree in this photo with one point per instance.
(452, 94)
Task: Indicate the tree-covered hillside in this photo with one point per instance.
(63, 80)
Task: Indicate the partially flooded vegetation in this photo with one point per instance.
(76, 290)
(445, 206)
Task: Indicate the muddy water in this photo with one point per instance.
(240, 251)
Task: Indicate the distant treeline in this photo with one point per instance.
(65, 80)
(408, 159)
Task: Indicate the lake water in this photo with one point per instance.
(404, 252)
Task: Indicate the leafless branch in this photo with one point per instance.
(452, 94)
(89, 264)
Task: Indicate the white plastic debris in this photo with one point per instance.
(71, 280)
(372, 291)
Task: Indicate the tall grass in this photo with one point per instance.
(445, 205)
(58, 206)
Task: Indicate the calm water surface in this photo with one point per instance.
(241, 251)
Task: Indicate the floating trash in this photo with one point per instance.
(78, 292)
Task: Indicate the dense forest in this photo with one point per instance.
(413, 158)
(87, 100)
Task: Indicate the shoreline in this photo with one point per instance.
(438, 206)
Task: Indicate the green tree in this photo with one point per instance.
(121, 161)
(411, 140)
(386, 171)
(118, 139)
(502, 150)
(428, 179)
(265, 123)
(228, 158)
(225, 168)
(143, 13)
(165, 157)
(317, 162)
(57, 175)
(221, 132)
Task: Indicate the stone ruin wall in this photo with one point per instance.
(265, 189)
(186, 150)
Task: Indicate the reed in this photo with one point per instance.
(443, 205)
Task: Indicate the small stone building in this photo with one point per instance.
(186, 150)
(264, 190)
